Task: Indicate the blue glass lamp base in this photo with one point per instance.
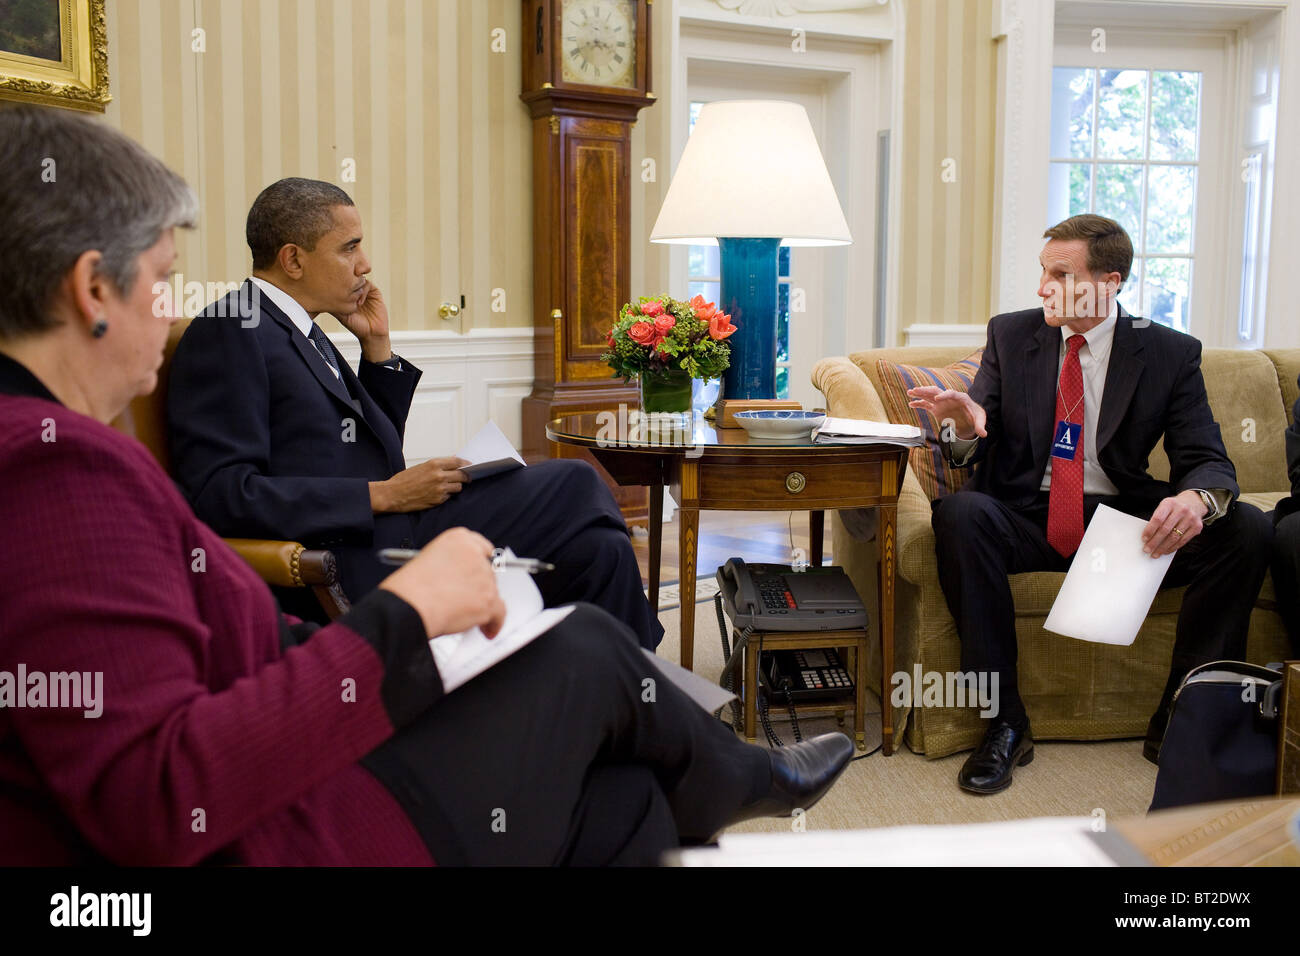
(748, 293)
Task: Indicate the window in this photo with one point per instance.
(1125, 144)
(705, 279)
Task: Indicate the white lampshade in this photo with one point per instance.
(752, 170)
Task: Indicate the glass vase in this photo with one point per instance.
(666, 392)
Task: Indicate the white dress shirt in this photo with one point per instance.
(295, 312)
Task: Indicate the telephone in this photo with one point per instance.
(806, 675)
(771, 597)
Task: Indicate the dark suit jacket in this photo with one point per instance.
(266, 442)
(1153, 387)
(1289, 505)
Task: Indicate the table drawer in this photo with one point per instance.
(793, 484)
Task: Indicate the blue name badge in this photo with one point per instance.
(1067, 440)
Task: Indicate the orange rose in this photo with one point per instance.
(664, 324)
(642, 333)
(652, 309)
(720, 327)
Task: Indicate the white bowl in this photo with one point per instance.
(785, 424)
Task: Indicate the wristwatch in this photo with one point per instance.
(1211, 506)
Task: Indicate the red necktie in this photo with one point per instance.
(1065, 500)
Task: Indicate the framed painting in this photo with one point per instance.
(54, 52)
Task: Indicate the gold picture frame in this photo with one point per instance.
(78, 78)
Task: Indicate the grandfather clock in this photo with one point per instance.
(586, 76)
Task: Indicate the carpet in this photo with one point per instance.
(1102, 780)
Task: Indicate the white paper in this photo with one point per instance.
(1111, 582)
(699, 689)
(862, 428)
(489, 452)
(461, 657)
(1045, 841)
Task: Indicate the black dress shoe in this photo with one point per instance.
(801, 775)
(989, 768)
(1155, 736)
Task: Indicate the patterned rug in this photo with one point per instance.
(670, 593)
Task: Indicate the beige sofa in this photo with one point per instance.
(1073, 690)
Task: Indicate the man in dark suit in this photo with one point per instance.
(1067, 405)
(272, 435)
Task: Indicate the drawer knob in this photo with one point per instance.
(795, 482)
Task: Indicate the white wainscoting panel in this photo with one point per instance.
(468, 380)
(942, 335)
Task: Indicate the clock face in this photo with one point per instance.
(598, 42)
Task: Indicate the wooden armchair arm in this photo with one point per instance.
(288, 564)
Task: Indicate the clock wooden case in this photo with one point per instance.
(586, 74)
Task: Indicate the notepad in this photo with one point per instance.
(489, 453)
(1111, 582)
(462, 657)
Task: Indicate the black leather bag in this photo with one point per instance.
(1221, 742)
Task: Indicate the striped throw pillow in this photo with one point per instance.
(937, 478)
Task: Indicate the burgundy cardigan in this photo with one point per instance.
(213, 743)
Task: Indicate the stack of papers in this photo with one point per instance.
(856, 431)
(489, 452)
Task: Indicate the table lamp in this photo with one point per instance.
(752, 177)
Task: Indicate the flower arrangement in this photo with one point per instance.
(658, 334)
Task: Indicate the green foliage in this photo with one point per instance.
(688, 345)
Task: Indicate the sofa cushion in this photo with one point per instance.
(1287, 363)
(937, 478)
(1246, 402)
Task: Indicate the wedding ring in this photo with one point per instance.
(1178, 532)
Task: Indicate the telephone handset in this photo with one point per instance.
(772, 597)
(746, 596)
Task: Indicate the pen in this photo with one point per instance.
(499, 562)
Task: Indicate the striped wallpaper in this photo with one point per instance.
(411, 90)
(949, 107)
(414, 93)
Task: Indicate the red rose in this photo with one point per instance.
(720, 327)
(664, 324)
(611, 338)
(652, 309)
(642, 333)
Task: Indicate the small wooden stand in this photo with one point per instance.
(724, 410)
(853, 641)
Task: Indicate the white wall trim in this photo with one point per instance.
(468, 380)
(1025, 29)
(942, 335)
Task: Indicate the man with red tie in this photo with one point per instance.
(1068, 403)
